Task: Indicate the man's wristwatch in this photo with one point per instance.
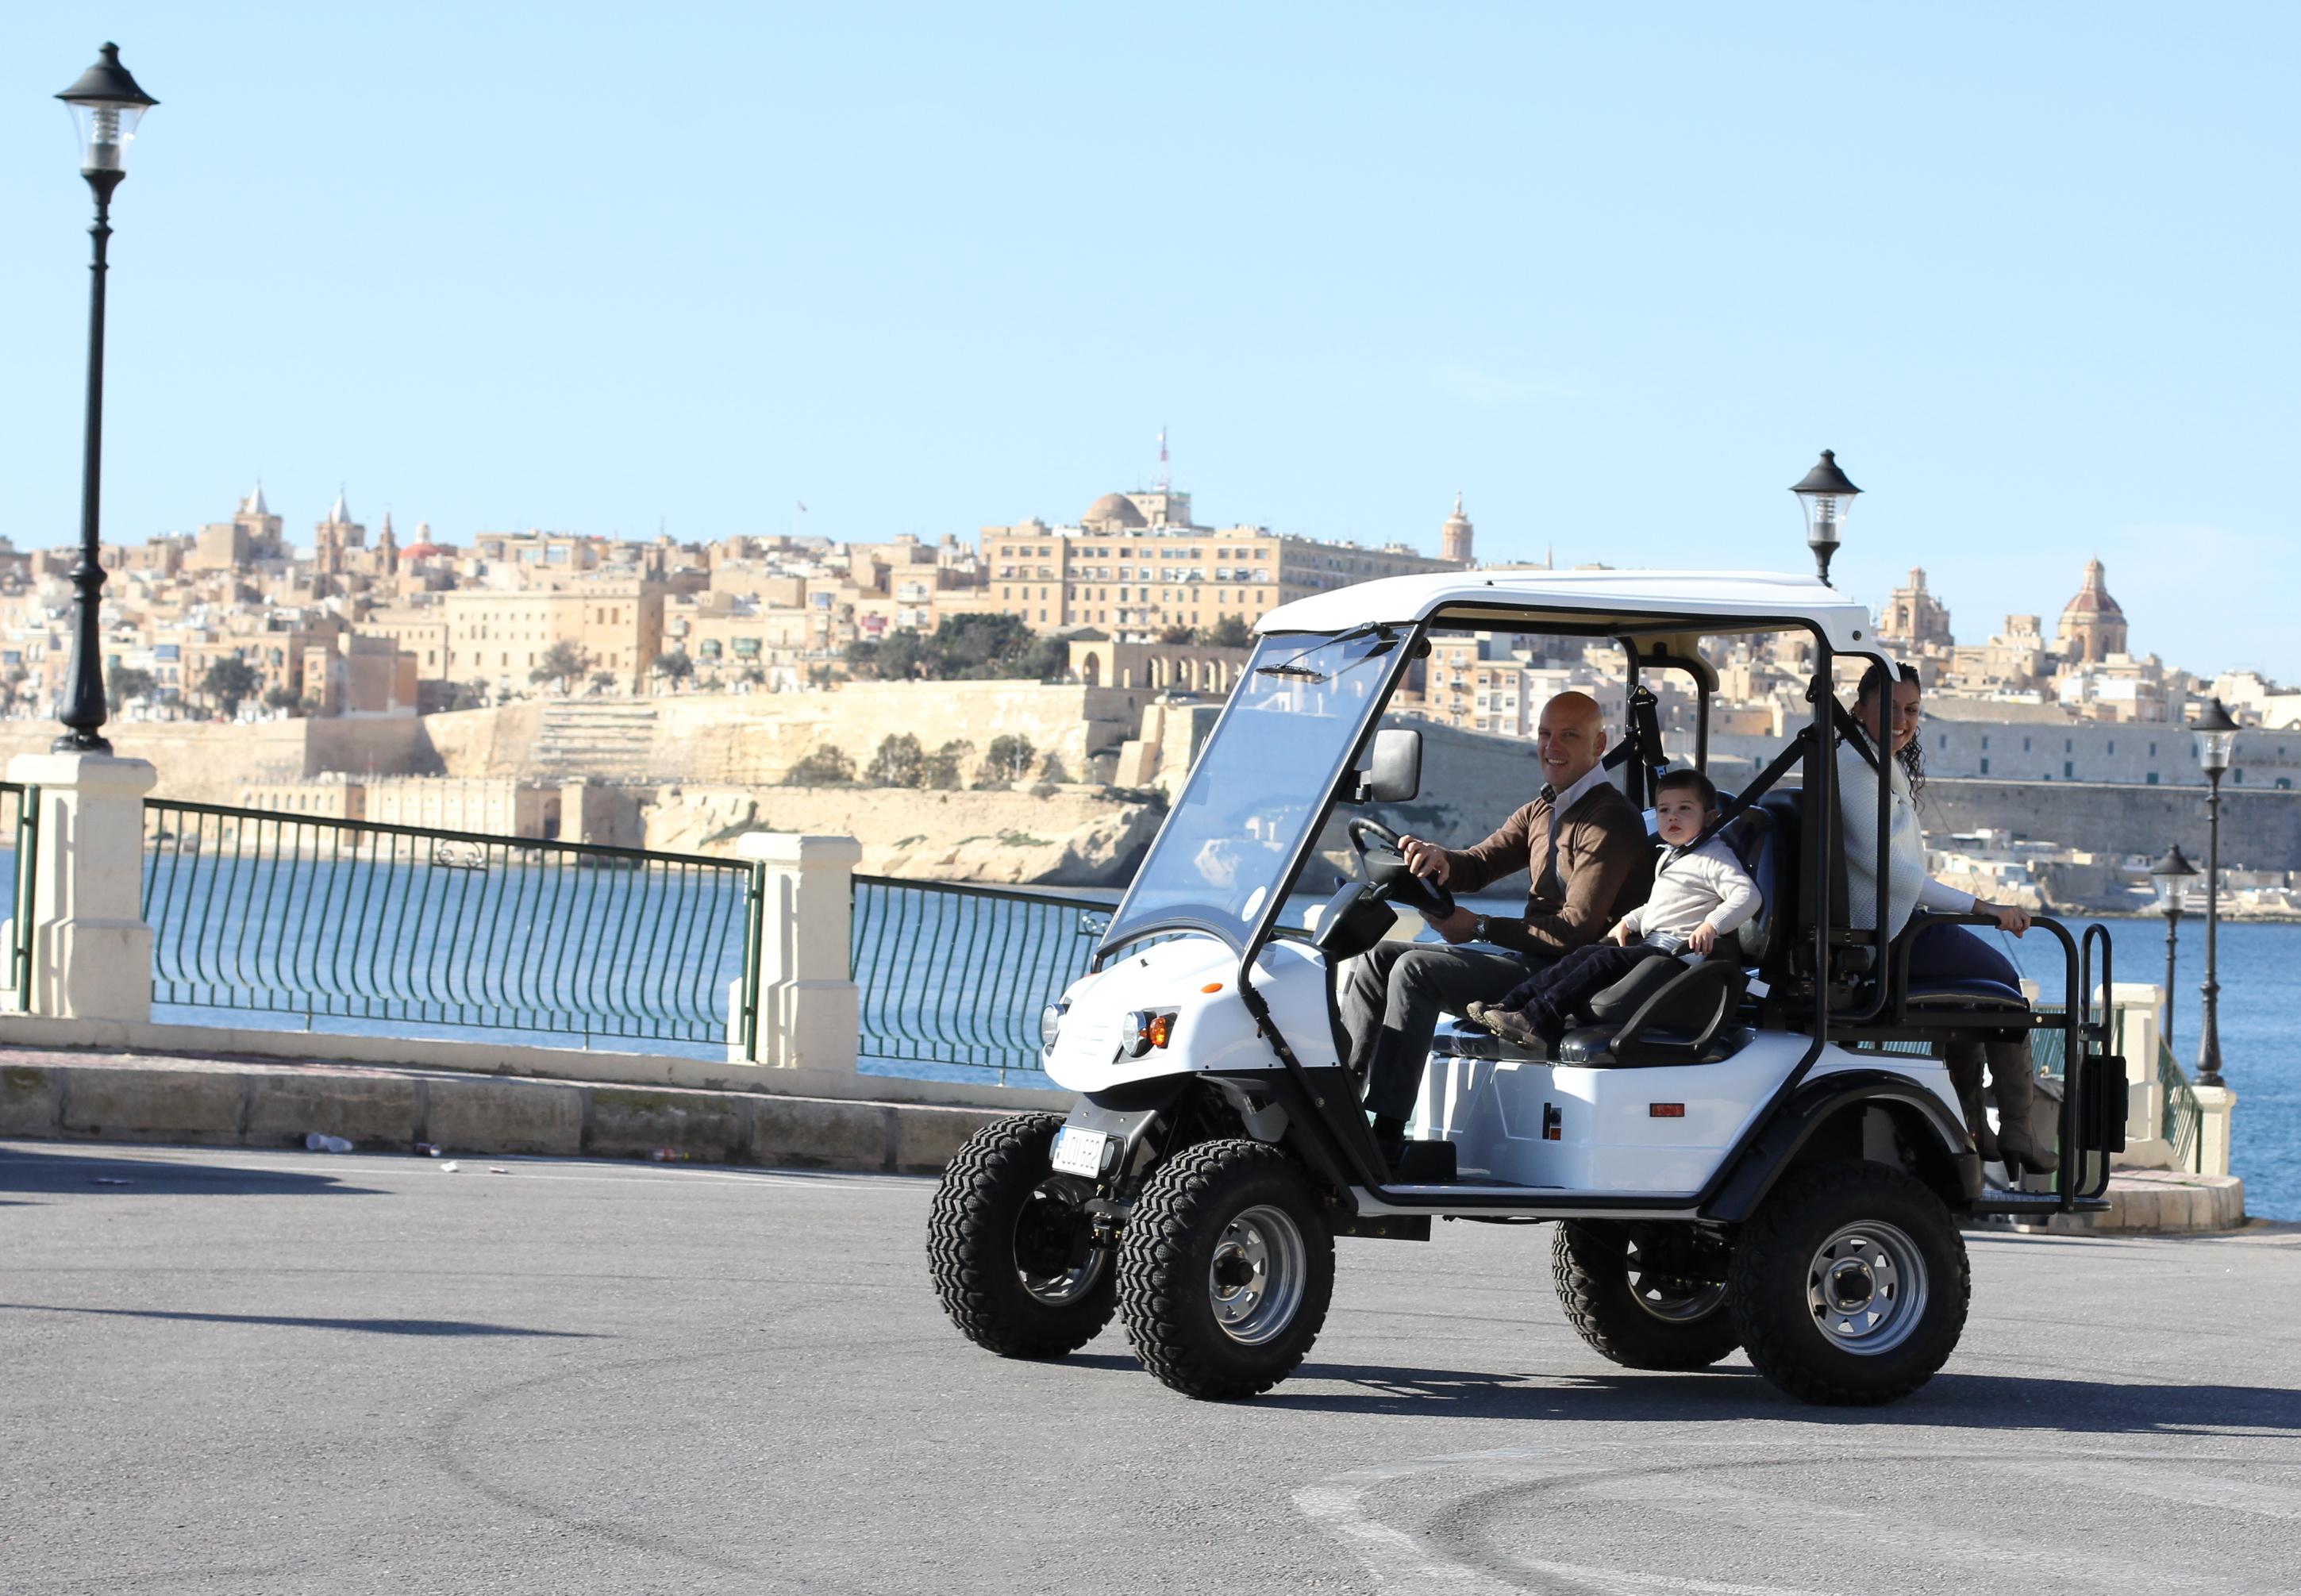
(1478, 929)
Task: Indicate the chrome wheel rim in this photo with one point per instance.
(1258, 1275)
(1673, 1298)
(1866, 1287)
(1054, 1288)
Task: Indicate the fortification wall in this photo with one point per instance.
(2261, 828)
(209, 762)
(1066, 835)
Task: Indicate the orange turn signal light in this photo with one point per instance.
(1213, 986)
(1161, 1031)
(1666, 1110)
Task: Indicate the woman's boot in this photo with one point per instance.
(2014, 1077)
(1963, 1060)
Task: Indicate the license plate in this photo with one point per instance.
(1080, 1152)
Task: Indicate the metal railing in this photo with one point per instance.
(956, 975)
(386, 925)
(2184, 1119)
(23, 865)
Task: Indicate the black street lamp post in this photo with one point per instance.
(2172, 876)
(1826, 495)
(106, 105)
(2216, 744)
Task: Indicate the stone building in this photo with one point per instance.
(2093, 626)
(1913, 620)
(1136, 567)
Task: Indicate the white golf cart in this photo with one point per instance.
(1750, 1150)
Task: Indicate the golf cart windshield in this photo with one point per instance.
(1260, 785)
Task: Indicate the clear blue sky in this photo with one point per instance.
(1616, 271)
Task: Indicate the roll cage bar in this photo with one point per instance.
(1672, 637)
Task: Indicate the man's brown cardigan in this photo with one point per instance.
(1602, 869)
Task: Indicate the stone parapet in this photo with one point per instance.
(199, 1102)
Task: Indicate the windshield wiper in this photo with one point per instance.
(1294, 669)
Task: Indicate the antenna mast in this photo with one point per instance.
(1162, 460)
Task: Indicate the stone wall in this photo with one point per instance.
(209, 762)
(1072, 836)
(2261, 828)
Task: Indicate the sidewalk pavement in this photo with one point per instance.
(247, 1102)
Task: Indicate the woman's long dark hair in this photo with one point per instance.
(1874, 685)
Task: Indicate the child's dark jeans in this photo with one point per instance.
(1549, 997)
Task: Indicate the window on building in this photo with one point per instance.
(2025, 745)
(2150, 780)
(2069, 770)
(1985, 766)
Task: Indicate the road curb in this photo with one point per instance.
(2155, 1202)
(241, 1103)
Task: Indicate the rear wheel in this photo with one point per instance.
(1850, 1284)
(1009, 1246)
(1225, 1269)
(1645, 1298)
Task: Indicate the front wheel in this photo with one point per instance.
(1850, 1284)
(1009, 1246)
(1225, 1270)
(1643, 1297)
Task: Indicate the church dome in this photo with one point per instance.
(2093, 599)
(1114, 509)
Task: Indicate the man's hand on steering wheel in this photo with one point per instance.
(1427, 859)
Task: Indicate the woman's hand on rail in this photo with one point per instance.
(2010, 917)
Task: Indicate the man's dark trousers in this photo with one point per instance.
(1549, 997)
(1391, 998)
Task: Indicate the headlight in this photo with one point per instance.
(1050, 1021)
(1145, 1028)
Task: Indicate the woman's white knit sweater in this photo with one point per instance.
(1908, 887)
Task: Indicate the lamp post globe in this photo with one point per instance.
(1825, 494)
(105, 103)
(2216, 733)
(2172, 876)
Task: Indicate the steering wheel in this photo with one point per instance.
(1382, 863)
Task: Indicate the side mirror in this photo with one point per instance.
(1395, 773)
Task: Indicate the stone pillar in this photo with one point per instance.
(2216, 1105)
(91, 950)
(2138, 1006)
(810, 1009)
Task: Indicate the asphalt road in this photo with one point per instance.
(232, 1371)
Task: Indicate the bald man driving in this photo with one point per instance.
(1588, 854)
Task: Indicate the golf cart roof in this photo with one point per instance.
(1626, 601)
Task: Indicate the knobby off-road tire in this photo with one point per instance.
(1850, 1284)
(1000, 1245)
(1635, 1317)
(1225, 1270)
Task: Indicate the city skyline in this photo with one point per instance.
(1620, 279)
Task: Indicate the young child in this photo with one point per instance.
(1698, 898)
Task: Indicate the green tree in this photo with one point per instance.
(230, 683)
(562, 662)
(124, 684)
(1179, 634)
(605, 681)
(284, 698)
(1232, 632)
(898, 762)
(826, 766)
(940, 770)
(675, 666)
(1007, 761)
